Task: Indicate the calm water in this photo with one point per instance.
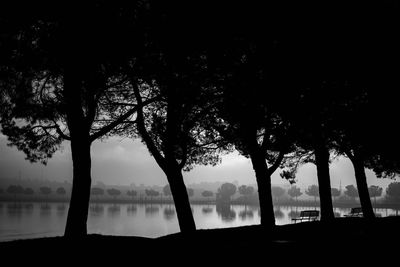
(30, 220)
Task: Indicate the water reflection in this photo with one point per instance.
(14, 209)
(114, 210)
(151, 210)
(96, 209)
(279, 214)
(116, 219)
(225, 212)
(207, 210)
(246, 214)
(28, 207)
(169, 213)
(45, 209)
(293, 214)
(61, 208)
(131, 210)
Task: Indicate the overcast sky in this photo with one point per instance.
(117, 161)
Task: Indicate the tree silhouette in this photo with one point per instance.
(351, 191)
(173, 130)
(113, 192)
(28, 191)
(294, 192)
(152, 193)
(167, 190)
(96, 191)
(190, 192)
(335, 193)
(208, 194)
(45, 190)
(246, 191)
(393, 190)
(131, 193)
(15, 190)
(277, 192)
(64, 88)
(250, 112)
(375, 191)
(313, 191)
(225, 192)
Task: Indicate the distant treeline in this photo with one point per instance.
(228, 193)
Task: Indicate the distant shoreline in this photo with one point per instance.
(302, 203)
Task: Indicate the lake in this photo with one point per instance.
(22, 220)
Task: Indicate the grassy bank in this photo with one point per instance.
(342, 239)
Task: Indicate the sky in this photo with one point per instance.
(117, 161)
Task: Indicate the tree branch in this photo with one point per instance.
(277, 162)
(106, 129)
(60, 132)
(143, 131)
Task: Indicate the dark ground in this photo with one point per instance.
(345, 241)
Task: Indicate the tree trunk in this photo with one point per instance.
(80, 195)
(80, 149)
(324, 183)
(264, 188)
(181, 200)
(362, 186)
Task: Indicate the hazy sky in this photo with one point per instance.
(124, 161)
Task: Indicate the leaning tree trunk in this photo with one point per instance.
(80, 150)
(264, 188)
(324, 182)
(181, 199)
(362, 186)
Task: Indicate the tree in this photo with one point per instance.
(249, 111)
(335, 193)
(167, 190)
(113, 192)
(313, 191)
(294, 192)
(28, 191)
(277, 192)
(131, 193)
(173, 127)
(375, 191)
(15, 190)
(152, 193)
(59, 92)
(45, 190)
(246, 191)
(97, 191)
(207, 194)
(190, 192)
(393, 190)
(351, 191)
(61, 191)
(225, 192)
